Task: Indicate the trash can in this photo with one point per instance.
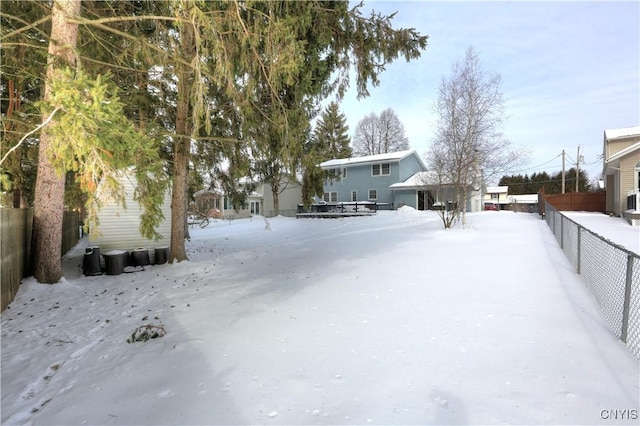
(139, 257)
(91, 261)
(115, 261)
(161, 255)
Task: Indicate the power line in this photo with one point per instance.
(534, 167)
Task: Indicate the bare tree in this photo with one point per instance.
(379, 134)
(469, 146)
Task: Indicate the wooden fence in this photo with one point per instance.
(16, 227)
(574, 201)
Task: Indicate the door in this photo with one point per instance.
(421, 199)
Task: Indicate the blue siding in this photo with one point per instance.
(408, 167)
(408, 197)
(360, 179)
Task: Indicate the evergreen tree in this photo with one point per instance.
(331, 134)
(200, 53)
(84, 131)
(330, 140)
(550, 184)
(49, 192)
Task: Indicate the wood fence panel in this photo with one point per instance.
(16, 226)
(577, 201)
(70, 230)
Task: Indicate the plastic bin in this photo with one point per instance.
(115, 261)
(139, 257)
(161, 255)
(91, 261)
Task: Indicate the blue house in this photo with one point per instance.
(375, 178)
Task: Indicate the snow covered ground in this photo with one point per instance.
(373, 320)
(615, 229)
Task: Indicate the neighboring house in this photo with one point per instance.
(495, 197)
(621, 171)
(119, 227)
(216, 203)
(369, 179)
(289, 198)
(523, 203)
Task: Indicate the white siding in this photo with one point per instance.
(288, 199)
(120, 227)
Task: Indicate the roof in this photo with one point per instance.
(207, 192)
(390, 156)
(624, 132)
(417, 180)
(524, 198)
(497, 190)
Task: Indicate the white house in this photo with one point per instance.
(260, 201)
(495, 197)
(119, 227)
(621, 171)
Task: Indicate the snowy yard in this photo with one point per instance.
(375, 320)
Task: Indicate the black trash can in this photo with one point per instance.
(161, 255)
(91, 261)
(139, 257)
(115, 261)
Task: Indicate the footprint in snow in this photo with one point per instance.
(34, 391)
(35, 388)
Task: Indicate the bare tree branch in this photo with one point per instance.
(40, 126)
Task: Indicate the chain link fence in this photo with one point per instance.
(610, 272)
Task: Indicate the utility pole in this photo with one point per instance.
(563, 171)
(578, 169)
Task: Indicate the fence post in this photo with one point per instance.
(562, 232)
(579, 249)
(627, 299)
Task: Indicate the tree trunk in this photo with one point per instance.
(49, 192)
(275, 190)
(182, 149)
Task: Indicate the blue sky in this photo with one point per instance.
(569, 71)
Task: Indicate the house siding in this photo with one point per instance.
(406, 197)
(360, 179)
(610, 183)
(627, 166)
(288, 199)
(119, 227)
(620, 172)
(408, 167)
(618, 145)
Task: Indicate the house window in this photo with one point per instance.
(338, 173)
(380, 169)
(494, 196)
(637, 170)
(354, 195)
(255, 207)
(330, 197)
(373, 194)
